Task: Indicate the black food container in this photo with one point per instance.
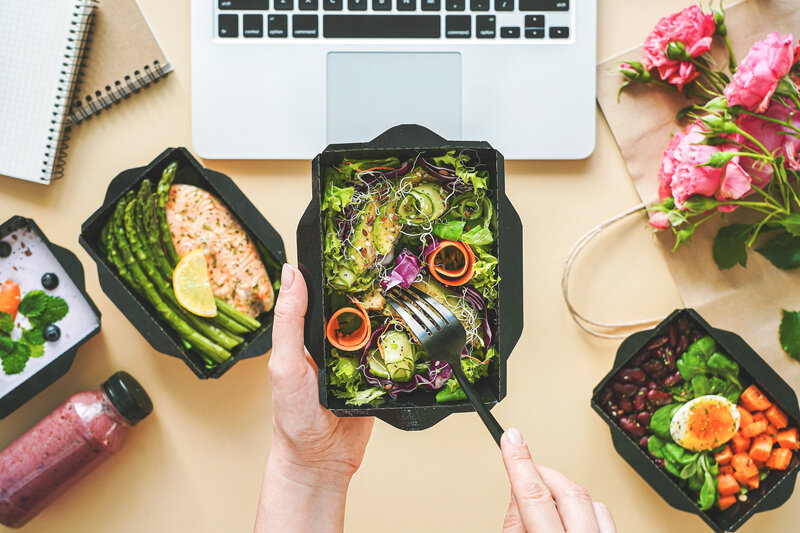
(160, 336)
(416, 410)
(32, 384)
(773, 491)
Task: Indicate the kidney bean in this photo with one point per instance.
(631, 427)
(643, 441)
(626, 405)
(639, 399)
(683, 343)
(668, 356)
(658, 342)
(673, 334)
(653, 367)
(658, 398)
(652, 384)
(605, 395)
(644, 418)
(632, 375)
(622, 390)
(671, 379)
(640, 358)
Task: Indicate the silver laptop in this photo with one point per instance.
(280, 79)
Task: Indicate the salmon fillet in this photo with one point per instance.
(197, 219)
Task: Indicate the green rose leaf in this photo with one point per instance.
(792, 224)
(782, 251)
(730, 246)
(790, 333)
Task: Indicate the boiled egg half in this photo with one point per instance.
(704, 423)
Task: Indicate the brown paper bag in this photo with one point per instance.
(747, 300)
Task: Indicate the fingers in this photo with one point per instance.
(604, 519)
(513, 521)
(288, 352)
(533, 498)
(574, 502)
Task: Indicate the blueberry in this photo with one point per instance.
(49, 281)
(52, 333)
(5, 249)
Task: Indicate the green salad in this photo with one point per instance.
(428, 221)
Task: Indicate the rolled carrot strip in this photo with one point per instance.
(351, 341)
(457, 276)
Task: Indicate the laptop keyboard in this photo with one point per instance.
(533, 21)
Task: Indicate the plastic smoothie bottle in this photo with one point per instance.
(63, 447)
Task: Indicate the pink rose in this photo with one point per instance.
(760, 71)
(682, 174)
(659, 220)
(689, 27)
(774, 138)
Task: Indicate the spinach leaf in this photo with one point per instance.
(724, 368)
(679, 454)
(701, 385)
(703, 347)
(671, 467)
(662, 418)
(707, 493)
(689, 470)
(655, 445)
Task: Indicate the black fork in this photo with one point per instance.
(443, 337)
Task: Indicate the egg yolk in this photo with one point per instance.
(710, 424)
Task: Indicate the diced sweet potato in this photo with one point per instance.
(724, 457)
(745, 417)
(789, 439)
(777, 417)
(754, 429)
(741, 462)
(761, 448)
(726, 501)
(740, 443)
(780, 459)
(753, 399)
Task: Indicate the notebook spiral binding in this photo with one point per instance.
(111, 95)
(57, 141)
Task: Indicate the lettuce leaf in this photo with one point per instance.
(344, 374)
(454, 231)
(337, 198)
(465, 170)
(485, 277)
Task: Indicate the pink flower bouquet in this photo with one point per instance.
(741, 146)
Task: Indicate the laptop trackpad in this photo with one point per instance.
(369, 92)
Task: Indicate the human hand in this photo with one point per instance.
(306, 435)
(544, 500)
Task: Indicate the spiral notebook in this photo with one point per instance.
(41, 42)
(122, 56)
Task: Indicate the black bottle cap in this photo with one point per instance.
(128, 397)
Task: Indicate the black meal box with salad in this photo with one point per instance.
(45, 313)
(189, 260)
(409, 208)
(703, 419)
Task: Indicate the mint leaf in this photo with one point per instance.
(33, 303)
(730, 246)
(55, 309)
(6, 346)
(33, 336)
(782, 251)
(37, 351)
(789, 333)
(14, 362)
(6, 322)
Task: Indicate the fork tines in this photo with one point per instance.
(419, 309)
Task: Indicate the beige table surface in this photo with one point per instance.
(195, 465)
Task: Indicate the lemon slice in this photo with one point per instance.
(192, 286)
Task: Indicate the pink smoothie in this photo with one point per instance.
(56, 453)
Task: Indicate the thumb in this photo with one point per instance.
(288, 351)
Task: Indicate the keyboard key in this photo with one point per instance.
(229, 25)
(504, 5)
(509, 32)
(304, 26)
(534, 21)
(431, 5)
(357, 5)
(308, 5)
(253, 26)
(479, 5)
(406, 5)
(284, 5)
(485, 26)
(381, 5)
(277, 26)
(534, 33)
(458, 26)
(544, 5)
(243, 5)
(332, 5)
(559, 32)
(454, 5)
(382, 26)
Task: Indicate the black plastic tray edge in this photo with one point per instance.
(149, 326)
(413, 137)
(60, 365)
(754, 365)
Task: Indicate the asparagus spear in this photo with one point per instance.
(164, 286)
(202, 344)
(162, 195)
(157, 254)
(115, 259)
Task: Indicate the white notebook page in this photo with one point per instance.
(40, 43)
